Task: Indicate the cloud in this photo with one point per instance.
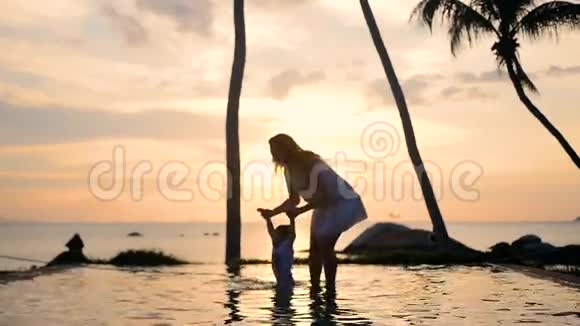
(419, 89)
(451, 91)
(189, 16)
(495, 75)
(281, 84)
(415, 87)
(482, 77)
(464, 93)
(32, 125)
(269, 4)
(562, 71)
(131, 28)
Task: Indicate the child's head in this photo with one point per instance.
(282, 233)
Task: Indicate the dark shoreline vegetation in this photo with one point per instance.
(135, 257)
(153, 258)
(131, 257)
(567, 261)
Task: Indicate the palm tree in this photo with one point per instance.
(233, 222)
(432, 206)
(505, 20)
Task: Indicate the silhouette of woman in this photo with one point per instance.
(336, 207)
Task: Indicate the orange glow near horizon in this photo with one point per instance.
(76, 83)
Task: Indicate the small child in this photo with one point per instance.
(282, 251)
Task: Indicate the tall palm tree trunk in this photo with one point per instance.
(434, 212)
(537, 113)
(233, 222)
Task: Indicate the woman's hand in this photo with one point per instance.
(295, 211)
(266, 213)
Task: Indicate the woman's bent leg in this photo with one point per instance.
(314, 263)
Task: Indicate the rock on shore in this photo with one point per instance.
(73, 256)
(383, 238)
(530, 249)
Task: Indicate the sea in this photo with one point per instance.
(205, 242)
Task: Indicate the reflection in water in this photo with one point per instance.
(324, 310)
(233, 305)
(233, 294)
(319, 308)
(282, 311)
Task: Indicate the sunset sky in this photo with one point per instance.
(78, 78)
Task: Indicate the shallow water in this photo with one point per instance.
(207, 294)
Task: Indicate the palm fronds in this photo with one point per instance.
(510, 11)
(487, 8)
(522, 7)
(507, 19)
(466, 23)
(549, 18)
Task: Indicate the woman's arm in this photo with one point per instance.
(293, 213)
(301, 210)
(326, 184)
(289, 204)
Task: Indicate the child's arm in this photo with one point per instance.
(293, 228)
(270, 226)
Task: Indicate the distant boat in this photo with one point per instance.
(206, 233)
(134, 234)
(215, 234)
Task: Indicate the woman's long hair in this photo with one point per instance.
(294, 154)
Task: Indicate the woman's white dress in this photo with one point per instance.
(346, 210)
